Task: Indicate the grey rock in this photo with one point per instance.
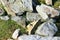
(47, 29)
(29, 37)
(32, 16)
(4, 17)
(20, 20)
(46, 10)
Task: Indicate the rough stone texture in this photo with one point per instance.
(4, 17)
(46, 29)
(42, 14)
(48, 2)
(44, 9)
(32, 16)
(1, 11)
(15, 34)
(36, 37)
(20, 20)
(29, 37)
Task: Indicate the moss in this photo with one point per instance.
(7, 28)
(41, 1)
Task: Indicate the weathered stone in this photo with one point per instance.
(46, 29)
(15, 34)
(28, 5)
(44, 10)
(20, 20)
(32, 16)
(1, 11)
(4, 17)
(48, 2)
(42, 14)
(29, 37)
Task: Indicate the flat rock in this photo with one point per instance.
(32, 16)
(20, 20)
(46, 29)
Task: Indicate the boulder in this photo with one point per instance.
(32, 16)
(46, 29)
(4, 17)
(20, 20)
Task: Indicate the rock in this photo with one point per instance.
(47, 29)
(48, 2)
(15, 34)
(1, 11)
(20, 20)
(4, 17)
(29, 37)
(28, 5)
(32, 16)
(42, 14)
(45, 10)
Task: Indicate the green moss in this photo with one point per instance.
(7, 28)
(41, 1)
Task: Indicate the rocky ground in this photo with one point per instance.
(29, 20)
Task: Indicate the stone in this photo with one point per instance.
(15, 34)
(46, 10)
(4, 17)
(9, 39)
(20, 20)
(46, 29)
(42, 14)
(29, 37)
(32, 16)
(48, 2)
(28, 5)
(1, 11)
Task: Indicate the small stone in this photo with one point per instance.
(32, 16)
(15, 34)
(47, 29)
(4, 17)
(20, 20)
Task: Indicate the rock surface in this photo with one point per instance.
(47, 29)
(32, 16)
(20, 20)
(4, 17)
(46, 10)
(1, 11)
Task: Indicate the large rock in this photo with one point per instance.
(4, 17)
(36, 37)
(47, 29)
(20, 20)
(45, 10)
(32, 16)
